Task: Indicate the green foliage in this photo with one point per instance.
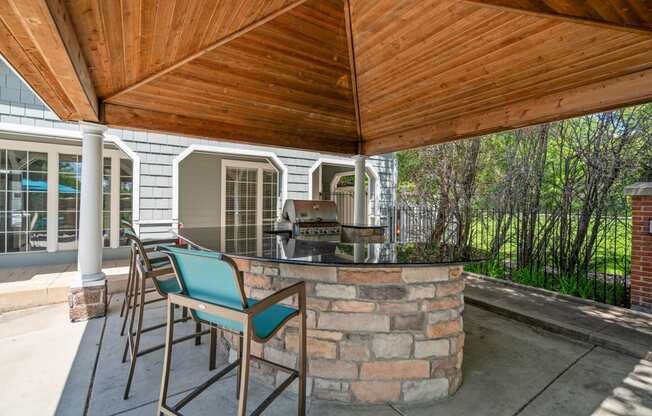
(578, 285)
(573, 146)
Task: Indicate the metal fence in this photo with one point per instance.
(561, 252)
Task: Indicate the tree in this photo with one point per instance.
(554, 181)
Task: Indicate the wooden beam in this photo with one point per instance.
(519, 7)
(116, 115)
(607, 95)
(205, 50)
(354, 78)
(41, 44)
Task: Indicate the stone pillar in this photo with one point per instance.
(359, 191)
(641, 280)
(87, 296)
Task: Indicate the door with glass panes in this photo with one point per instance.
(249, 195)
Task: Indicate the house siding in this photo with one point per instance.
(19, 105)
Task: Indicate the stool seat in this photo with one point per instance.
(265, 323)
(170, 285)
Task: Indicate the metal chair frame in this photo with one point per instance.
(241, 364)
(126, 301)
(144, 271)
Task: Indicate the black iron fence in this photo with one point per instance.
(582, 254)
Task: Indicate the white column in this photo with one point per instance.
(89, 257)
(359, 192)
(115, 201)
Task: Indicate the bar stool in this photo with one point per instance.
(145, 270)
(212, 288)
(159, 261)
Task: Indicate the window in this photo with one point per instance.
(270, 208)
(69, 188)
(240, 209)
(249, 205)
(24, 196)
(126, 194)
(23, 201)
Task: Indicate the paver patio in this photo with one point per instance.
(510, 369)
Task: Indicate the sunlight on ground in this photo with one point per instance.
(634, 396)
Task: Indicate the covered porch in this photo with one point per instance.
(343, 77)
(352, 81)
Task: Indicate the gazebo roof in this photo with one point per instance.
(369, 76)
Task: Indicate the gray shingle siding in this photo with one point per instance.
(19, 105)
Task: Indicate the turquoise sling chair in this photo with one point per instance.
(147, 266)
(212, 289)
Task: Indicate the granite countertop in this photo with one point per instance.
(253, 243)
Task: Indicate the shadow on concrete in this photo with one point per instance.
(51, 366)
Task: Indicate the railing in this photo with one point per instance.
(588, 256)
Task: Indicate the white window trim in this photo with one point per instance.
(272, 158)
(372, 173)
(53, 150)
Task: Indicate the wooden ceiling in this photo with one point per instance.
(372, 76)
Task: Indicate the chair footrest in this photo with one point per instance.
(275, 365)
(277, 391)
(177, 340)
(199, 389)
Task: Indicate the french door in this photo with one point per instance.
(249, 195)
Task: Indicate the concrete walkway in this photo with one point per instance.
(26, 287)
(51, 366)
(618, 329)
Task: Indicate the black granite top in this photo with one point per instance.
(363, 226)
(251, 242)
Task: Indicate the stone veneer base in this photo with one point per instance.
(375, 334)
(87, 302)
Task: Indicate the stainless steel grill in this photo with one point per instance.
(311, 219)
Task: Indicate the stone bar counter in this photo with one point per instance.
(384, 320)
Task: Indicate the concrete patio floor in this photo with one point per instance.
(51, 366)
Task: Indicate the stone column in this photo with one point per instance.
(88, 290)
(641, 280)
(359, 191)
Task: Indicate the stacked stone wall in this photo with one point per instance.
(374, 334)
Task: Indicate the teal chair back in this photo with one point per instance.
(141, 256)
(209, 277)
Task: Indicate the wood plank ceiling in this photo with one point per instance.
(435, 73)
(370, 77)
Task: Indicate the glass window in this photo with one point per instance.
(38, 162)
(69, 188)
(240, 210)
(16, 160)
(23, 201)
(126, 195)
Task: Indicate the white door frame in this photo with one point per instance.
(226, 152)
(372, 174)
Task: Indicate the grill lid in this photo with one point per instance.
(306, 211)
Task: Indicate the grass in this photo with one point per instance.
(582, 286)
(611, 254)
